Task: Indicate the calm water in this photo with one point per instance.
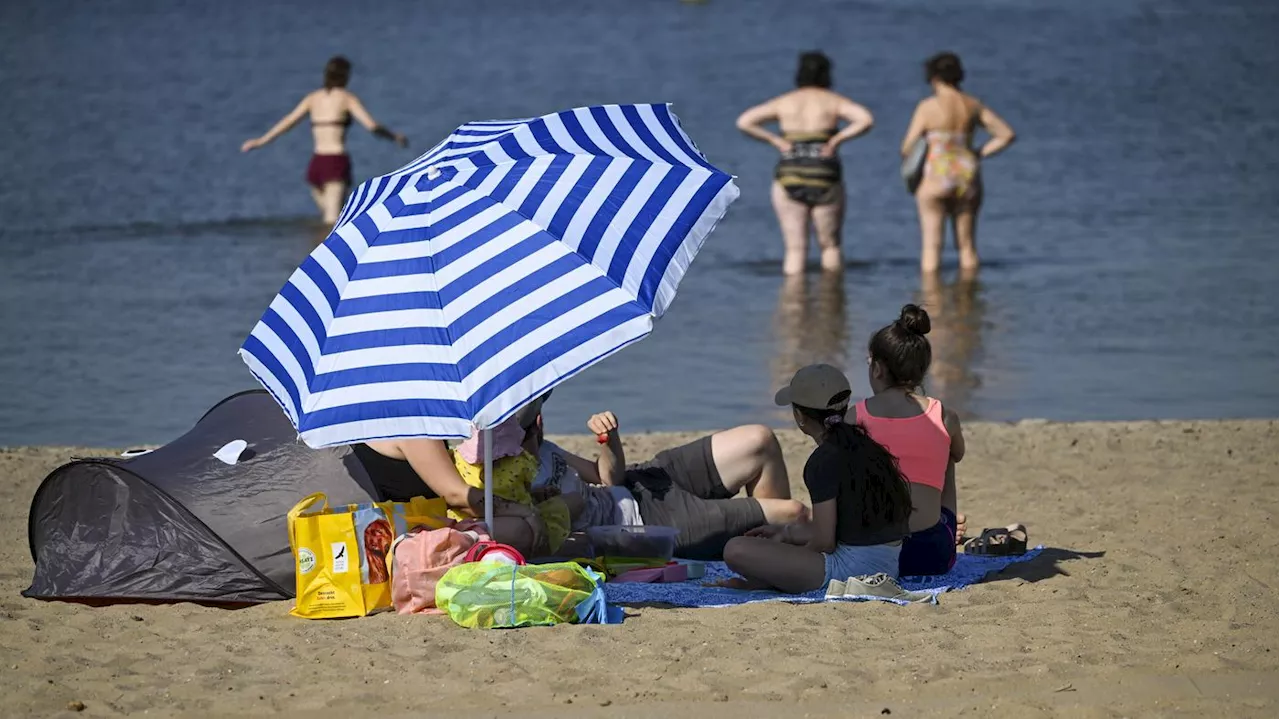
(1131, 234)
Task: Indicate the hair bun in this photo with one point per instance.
(914, 320)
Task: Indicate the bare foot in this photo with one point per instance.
(960, 527)
(741, 583)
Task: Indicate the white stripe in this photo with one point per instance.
(626, 215)
(684, 256)
(536, 170)
(291, 317)
(548, 333)
(590, 207)
(383, 286)
(273, 385)
(388, 320)
(454, 270)
(667, 216)
(624, 128)
(385, 392)
(315, 297)
(332, 267)
(374, 429)
(563, 367)
(592, 130)
(650, 118)
(380, 356)
(437, 244)
(277, 348)
(554, 199)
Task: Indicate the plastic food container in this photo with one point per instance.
(634, 542)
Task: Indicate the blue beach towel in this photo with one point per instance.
(969, 569)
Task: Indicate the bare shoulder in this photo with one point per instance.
(949, 417)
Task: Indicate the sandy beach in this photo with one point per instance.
(1157, 596)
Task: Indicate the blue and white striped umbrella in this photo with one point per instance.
(508, 258)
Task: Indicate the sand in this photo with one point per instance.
(1158, 597)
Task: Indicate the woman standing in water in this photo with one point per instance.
(331, 109)
(808, 184)
(951, 185)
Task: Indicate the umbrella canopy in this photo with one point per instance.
(505, 260)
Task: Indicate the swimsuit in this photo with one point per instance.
(951, 163)
(922, 446)
(805, 174)
(324, 169)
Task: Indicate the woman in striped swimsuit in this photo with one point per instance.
(952, 183)
(808, 186)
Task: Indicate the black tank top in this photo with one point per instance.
(394, 479)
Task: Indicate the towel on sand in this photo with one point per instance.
(969, 569)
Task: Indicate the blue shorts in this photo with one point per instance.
(930, 551)
(850, 560)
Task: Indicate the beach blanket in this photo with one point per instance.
(969, 569)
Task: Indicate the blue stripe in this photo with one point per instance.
(644, 220)
(493, 265)
(621, 191)
(394, 268)
(611, 132)
(546, 354)
(513, 295)
(543, 137)
(254, 346)
(407, 372)
(639, 127)
(306, 310)
(473, 241)
(545, 184)
(312, 269)
(422, 208)
(676, 236)
(342, 251)
(387, 338)
(424, 300)
(481, 133)
(579, 135)
(515, 171)
(430, 371)
(290, 339)
(667, 120)
(385, 409)
(577, 195)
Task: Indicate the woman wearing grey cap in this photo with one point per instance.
(861, 502)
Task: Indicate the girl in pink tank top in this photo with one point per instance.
(924, 436)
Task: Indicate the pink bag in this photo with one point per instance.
(421, 556)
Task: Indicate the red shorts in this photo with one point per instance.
(328, 168)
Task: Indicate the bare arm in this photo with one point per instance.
(818, 535)
(751, 123)
(859, 121)
(952, 422)
(286, 123)
(611, 464)
(914, 130)
(431, 461)
(1002, 136)
(363, 117)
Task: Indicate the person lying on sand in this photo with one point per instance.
(861, 501)
(692, 488)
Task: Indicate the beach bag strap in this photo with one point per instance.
(307, 503)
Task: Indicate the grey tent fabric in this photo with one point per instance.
(178, 524)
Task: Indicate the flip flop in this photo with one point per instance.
(999, 542)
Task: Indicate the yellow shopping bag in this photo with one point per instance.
(341, 555)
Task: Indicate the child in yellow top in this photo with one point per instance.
(514, 470)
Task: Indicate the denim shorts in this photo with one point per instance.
(849, 560)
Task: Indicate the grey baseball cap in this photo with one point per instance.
(818, 386)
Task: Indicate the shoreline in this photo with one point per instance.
(1157, 595)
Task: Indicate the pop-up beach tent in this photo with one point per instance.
(178, 523)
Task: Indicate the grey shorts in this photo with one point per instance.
(681, 488)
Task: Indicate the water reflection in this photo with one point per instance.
(811, 325)
(957, 311)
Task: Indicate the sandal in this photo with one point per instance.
(999, 542)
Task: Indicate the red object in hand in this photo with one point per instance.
(602, 439)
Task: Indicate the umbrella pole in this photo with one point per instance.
(487, 440)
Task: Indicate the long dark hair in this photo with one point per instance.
(877, 486)
(902, 349)
(337, 72)
(945, 67)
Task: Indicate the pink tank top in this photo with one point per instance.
(921, 443)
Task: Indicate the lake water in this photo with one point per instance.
(1130, 236)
